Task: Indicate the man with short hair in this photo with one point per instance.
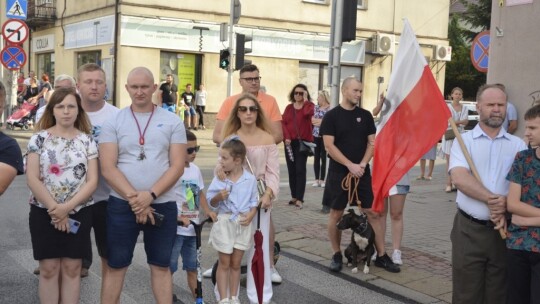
(250, 81)
(478, 251)
(142, 153)
(92, 85)
(61, 81)
(168, 94)
(11, 163)
(349, 135)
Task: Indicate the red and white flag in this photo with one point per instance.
(413, 119)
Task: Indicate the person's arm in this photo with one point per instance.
(7, 174)
(33, 179)
(525, 221)
(516, 206)
(512, 126)
(218, 128)
(379, 106)
(336, 155)
(277, 131)
(160, 98)
(204, 205)
(108, 160)
(316, 121)
(60, 211)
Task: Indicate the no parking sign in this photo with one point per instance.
(13, 57)
(480, 51)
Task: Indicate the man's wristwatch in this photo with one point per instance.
(154, 196)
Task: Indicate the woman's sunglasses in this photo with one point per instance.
(194, 149)
(250, 108)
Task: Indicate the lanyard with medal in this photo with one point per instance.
(142, 155)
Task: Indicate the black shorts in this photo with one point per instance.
(99, 223)
(50, 243)
(337, 198)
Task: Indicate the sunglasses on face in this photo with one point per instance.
(298, 93)
(194, 149)
(250, 108)
(252, 79)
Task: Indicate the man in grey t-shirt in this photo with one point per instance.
(142, 157)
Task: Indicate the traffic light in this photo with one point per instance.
(224, 59)
(241, 50)
(348, 30)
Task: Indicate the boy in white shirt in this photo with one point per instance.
(190, 200)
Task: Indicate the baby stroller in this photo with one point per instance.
(22, 118)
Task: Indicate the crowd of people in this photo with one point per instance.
(90, 165)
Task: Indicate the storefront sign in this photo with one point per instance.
(93, 32)
(43, 43)
(180, 35)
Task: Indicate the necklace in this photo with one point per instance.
(142, 155)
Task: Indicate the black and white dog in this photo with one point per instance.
(362, 244)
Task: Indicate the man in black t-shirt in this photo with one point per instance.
(168, 94)
(190, 114)
(11, 162)
(349, 135)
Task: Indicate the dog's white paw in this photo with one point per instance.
(349, 264)
(354, 270)
(366, 269)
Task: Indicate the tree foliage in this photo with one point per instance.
(460, 72)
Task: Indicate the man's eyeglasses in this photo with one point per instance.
(194, 149)
(250, 108)
(298, 93)
(252, 79)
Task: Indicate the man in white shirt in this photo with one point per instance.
(478, 251)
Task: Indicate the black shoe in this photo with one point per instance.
(325, 210)
(337, 262)
(386, 263)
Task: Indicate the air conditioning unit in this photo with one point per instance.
(442, 53)
(383, 44)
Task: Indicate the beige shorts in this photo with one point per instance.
(226, 235)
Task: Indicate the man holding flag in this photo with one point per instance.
(478, 251)
(349, 134)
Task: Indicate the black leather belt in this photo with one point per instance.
(475, 220)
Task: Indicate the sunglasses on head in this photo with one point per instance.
(194, 149)
(298, 93)
(250, 108)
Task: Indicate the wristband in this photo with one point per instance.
(154, 196)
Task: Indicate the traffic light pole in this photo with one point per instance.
(231, 51)
(334, 64)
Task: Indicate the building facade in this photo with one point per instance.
(290, 41)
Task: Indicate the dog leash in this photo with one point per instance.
(346, 184)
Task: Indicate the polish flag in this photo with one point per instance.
(413, 119)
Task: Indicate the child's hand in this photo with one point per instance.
(223, 195)
(184, 220)
(245, 219)
(220, 173)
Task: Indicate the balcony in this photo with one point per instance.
(41, 13)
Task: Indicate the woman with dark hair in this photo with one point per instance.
(62, 173)
(297, 127)
(247, 120)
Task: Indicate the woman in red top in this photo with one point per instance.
(296, 122)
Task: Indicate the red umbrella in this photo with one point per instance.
(257, 263)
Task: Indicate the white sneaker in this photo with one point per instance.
(234, 300)
(315, 184)
(396, 257)
(207, 273)
(276, 278)
(224, 301)
(322, 185)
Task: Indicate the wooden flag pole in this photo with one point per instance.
(474, 171)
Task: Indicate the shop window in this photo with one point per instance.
(45, 64)
(185, 68)
(88, 57)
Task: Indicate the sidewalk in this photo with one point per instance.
(426, 274)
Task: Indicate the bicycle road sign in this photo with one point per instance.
(480, 51)
(15, 31)
(13, 57)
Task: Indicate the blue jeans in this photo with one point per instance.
(186, 246)
(123, 230)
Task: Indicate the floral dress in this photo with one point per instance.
(63, 164)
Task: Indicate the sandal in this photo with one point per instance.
(292, 202)
(428, 178)
(299, 205)
(448, 189)
(420, 178)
